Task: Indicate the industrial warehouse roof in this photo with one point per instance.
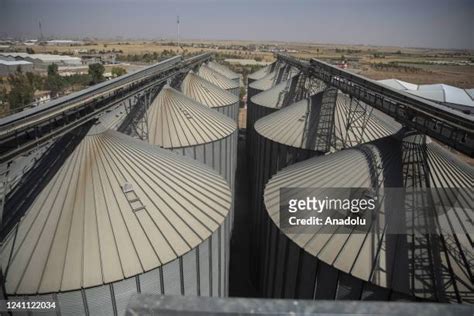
(366, 255)
(399, 84)
(84, 230)
(262, 72)
(294, 126)
(436, 92)
(216, 78)
(271, 79)
(175, 120)
(14, 62)
(223, 70)
(205, 92)
(43, 57)
(274, 97)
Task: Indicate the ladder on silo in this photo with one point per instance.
(301, 90)
(319, 125)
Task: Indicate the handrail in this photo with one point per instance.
(21, 131)
(449, 126)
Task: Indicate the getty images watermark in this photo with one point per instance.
(387, 210)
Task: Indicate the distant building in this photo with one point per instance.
(31, 42)
(88, 59)
(42, 60)
(64, 42)
(8, 67)
(453, 97)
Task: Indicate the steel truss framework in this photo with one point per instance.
(451, 127)
(136, 100)
(30, 131)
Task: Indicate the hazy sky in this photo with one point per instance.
(414, 23)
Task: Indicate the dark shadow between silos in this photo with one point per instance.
(35, 180)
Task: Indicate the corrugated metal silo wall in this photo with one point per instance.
(254, 113)
(202, 272)
(252, 91)
(290, 272)
(231, 111)
(269, 157)
(220, 155)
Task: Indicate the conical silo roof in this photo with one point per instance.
(205, 92)
(297, 125)
(223, 70)
(216, 78)
(446, 271)
(259, 74)
(175, 120)
(272, 78)
(274, 98)
(116, 208)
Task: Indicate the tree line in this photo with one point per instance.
(23, 85)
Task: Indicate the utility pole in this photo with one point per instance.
(41, 31)
(177, 22)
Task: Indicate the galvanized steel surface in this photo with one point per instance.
(207, 93)
(82, 230)
(219, 80)
(291, 126)
(273, 97)
(175, 120)
(259, 74)
(270, 80)
(225, 71)
(446, 272)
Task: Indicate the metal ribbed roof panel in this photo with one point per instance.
(399, 84)
(205, 92)
(271, 79)
(83, 229)
(274, 97)
(259, 74)
(355, 253)
(290, 126)
(175, 120)
(216, 78)
(223, 70)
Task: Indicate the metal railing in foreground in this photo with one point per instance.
(148, 304)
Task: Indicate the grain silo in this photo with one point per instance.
(22, 171)
(265, 103)
(119, 217)
(259, 74)
(207, 93)
(375, 264)
(182, 125)
(219, 80)
(225, 71)
(279, 73)
(271, 100)
(322, 123)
